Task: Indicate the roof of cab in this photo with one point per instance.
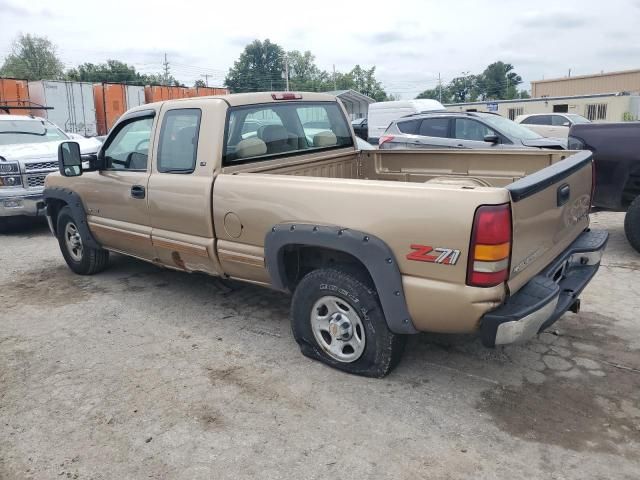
(240, 99)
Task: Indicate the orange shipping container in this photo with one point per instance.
(14, 92)
(206, 91)
(158, 93)
(110, 101)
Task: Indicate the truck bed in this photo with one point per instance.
(489, 168)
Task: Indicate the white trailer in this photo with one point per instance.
(72, 102)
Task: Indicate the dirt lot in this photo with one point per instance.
(145, 373)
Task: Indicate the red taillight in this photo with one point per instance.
(385, 139)
(490, 248)
(286, 96)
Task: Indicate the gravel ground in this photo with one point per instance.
(145, 373)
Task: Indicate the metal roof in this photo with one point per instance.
(541, 99)
(351, 96)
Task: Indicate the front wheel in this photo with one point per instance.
(80, 258)
(337, 319)
(632, 224)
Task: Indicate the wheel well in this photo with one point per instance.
(54, 206)
(299, 260)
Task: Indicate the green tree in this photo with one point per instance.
(304, 74)
(259, 68)
(32, 58)
(499, 82)
(115, 71)
(463, 89)
(199, 84)
(364, 81)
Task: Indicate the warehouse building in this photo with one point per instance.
(623, 81)
(607, 107)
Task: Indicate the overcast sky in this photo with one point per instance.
(409, 41)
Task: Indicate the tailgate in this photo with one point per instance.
(549, 210)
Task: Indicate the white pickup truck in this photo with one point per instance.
(28, 153)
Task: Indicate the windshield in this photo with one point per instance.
(578, 118)
(510, 128)
(15, 132)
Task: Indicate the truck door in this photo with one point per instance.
(180, 193)
(116, 196)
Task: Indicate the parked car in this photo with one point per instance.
(361, 127)
(462, 130)
(28, 153)
(616, 150)
(554, 125)
(381, 114)
(360, 238)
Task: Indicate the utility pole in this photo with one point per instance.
(166, 69)
(286, 70)
(569, 73)
(439, 87)
(206, 78)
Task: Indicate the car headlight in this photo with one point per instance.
(10, 180)
(10, 174)
(9, 168)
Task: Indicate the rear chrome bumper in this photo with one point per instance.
(548, 295)
(29, 205)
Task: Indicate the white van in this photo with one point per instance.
(381, 114)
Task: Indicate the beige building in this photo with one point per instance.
(608, 107)
(623, 81)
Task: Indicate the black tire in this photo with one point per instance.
(382, 348)
(632, 224)
(86, 260)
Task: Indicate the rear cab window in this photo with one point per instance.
(178, 146)
(263, 132)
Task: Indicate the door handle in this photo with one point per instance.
(137, 191)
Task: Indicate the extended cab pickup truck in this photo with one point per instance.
(269, 188)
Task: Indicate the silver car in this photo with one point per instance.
(463, 130)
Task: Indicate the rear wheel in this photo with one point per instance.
(337, 319)
(632, 224)
(80, 257)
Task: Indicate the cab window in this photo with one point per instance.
(179, 141)
(129, 149)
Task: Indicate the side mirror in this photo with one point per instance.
(69, 159)
(492, 139)
(566, 124)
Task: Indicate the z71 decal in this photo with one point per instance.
(425, 253)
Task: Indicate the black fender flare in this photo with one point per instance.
(374, 254)
(74, 202)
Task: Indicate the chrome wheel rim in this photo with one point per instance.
(338, 329)
(73, 241)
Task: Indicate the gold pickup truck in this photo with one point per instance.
(270, 188)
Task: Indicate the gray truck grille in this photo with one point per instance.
(36, 180)
(41, 166)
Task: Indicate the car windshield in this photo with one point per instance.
(509, 127)
(578, 118)
(15, 132)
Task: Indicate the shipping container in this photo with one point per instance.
(71, 103)
(206, 91)
(134, 96)
(158, 93)
(110, 103)
(14, 92)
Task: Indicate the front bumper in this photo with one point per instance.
(548, 295)
(13, 204)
